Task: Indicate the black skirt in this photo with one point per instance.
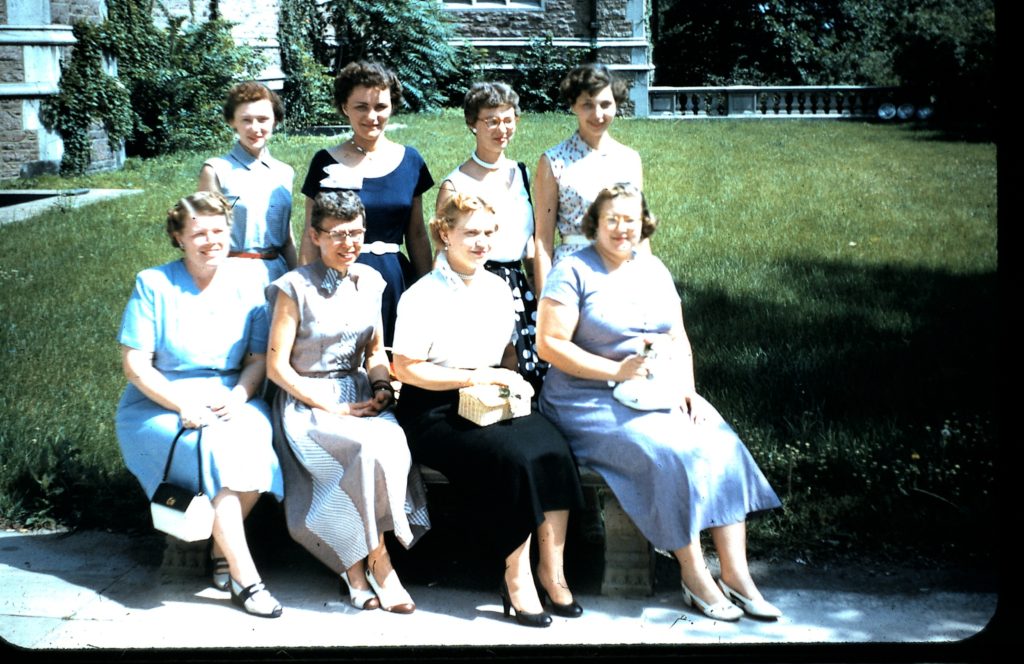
(506, 474)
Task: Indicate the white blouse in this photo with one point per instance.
(512, 209)
(444, 321)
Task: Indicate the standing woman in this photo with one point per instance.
(349, 474)
(258, 187)
(570, 175)
(516, 478)
(492, 113)
(389, 178)
(193, 343)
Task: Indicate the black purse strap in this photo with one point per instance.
(199, 456)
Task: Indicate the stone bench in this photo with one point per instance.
(628, 557)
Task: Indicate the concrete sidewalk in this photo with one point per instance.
(98, 590)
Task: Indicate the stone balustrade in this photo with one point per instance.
(794, 101)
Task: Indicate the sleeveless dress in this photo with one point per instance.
(260, 191)
(673, 478)
(388, 201)
(514, 213)
(509, 473)
(581, 173)
(199, 343)
(349, 479)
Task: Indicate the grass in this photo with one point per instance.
(839, 281)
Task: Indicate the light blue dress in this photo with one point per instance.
(199, 343)
(260, 192)
(672, 477)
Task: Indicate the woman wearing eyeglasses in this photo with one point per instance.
(492, 114)
(349, 476)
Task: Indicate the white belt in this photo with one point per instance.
(380, 248)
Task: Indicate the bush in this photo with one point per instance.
(304, 55)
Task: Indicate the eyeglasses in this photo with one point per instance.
(336, 236)
(613, 220)
(494, 122)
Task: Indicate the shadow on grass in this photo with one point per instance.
(870, 402)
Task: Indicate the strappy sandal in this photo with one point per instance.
(255, 600)
(363, 599)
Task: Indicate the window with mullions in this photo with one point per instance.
(493, 4)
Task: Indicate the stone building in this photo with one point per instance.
(618, 30)
(34, 35)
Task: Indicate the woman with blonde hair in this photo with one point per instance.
(516, 478)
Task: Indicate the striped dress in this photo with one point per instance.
(347, 479)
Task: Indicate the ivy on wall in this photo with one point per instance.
(170, 87)
(87, 96)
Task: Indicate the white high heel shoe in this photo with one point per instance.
(724, 610)
(755, 608)
(361, 598)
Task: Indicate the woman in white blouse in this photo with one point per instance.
(516, 477)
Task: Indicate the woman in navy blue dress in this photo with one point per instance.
(389, 178)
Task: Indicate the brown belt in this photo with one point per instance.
(267, 256)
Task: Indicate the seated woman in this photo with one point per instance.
(515, 477)
(258, 186)
(348, 471)
(193, 339)
(599, 308)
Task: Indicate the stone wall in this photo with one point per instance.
(67, 12)
(17, 145)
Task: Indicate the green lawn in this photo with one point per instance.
(839, 281)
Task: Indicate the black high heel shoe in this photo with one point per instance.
(571, 610)
(541, 619)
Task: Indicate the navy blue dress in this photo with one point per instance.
(388, 201)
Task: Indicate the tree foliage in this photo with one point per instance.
(944, 48)
(304, 56)
(411, 37)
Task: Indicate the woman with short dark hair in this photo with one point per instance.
(570, 175)
(258, 186)
(389, 178)
(348, 472)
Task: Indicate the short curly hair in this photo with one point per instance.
(590, 220)
(367, 74)
(457, 206)
(344, 205)
(248, 92)
(488, 94)
(592, 78)
(193, 205)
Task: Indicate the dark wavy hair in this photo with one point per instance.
(344, 205)
(367, 74)
(628, 189)
(592, 78)
(250, 91)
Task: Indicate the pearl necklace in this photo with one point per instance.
(464, 277)
(486, 164)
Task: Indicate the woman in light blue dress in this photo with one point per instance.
(193, 340)
(258, 187)
(673, 463)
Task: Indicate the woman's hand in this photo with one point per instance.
(227, 407)
(494, 376)
(634, 366)
(194, 415)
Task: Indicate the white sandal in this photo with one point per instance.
(363, 599)
(724, 610)
(395, 601)
(755, 608)
(255, 600)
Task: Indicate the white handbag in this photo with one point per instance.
(181, 511)
(655, 391)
